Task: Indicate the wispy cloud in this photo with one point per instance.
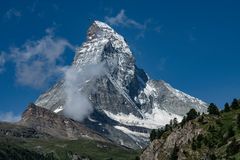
(12, 13)
(2, 62)
(38, 62)
(122, 20)
(9, 117)
(158, 29)
(32, 8)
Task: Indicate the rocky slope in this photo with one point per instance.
(13, 130)
(19, 142)
(208, 137)
(126, 102)
(58, 126)
(163, 148)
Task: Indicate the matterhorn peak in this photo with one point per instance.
(99, 29)
(101, 24)
(125, 102)
(104, 45)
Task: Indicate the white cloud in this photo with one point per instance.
(77, 104)
(38, 62)
(9, 117)
(122, 20)
(12, 13)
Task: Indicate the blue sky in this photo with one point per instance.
(193, 45)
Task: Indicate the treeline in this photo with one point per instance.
(222, 131)
(157, 133)
(193, 114)
(15, 152)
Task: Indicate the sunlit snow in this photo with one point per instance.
(156, 119)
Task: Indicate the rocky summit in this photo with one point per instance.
(126, 103)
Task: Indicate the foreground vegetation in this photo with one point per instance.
(220, 136)
(219, 139)
(55, 149)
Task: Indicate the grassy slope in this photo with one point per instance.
(228, 119)
(216, 136)
(63, 149)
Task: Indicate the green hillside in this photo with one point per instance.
(17, 148)
(209, 136)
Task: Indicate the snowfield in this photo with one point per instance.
(157, 119)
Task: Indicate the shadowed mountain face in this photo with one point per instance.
(58, 126)
(125, 102)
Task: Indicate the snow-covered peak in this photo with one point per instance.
(181, 94)
(104, 45)
(101, 24)
(99, 29)
(163, 95)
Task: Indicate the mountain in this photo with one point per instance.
(58, 126)
(125, 104)
(19, 142)
(208, 136)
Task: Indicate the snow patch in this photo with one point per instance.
(129, 132)
(156, 119)
(149, 89)
(60, 108)
(90, 119)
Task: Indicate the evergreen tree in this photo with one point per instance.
(213, 157)
(235, 104)
(167, 127)
(153, 135)
(171, 123)
(159, 133)
(175, 122)
(212, 128)
(213, 109)
(230, 132)
(238, 120)
(137, 158)
(183, 121)
(200, 119)
(194, 145)
(192, 114)
(232, 148)
(226, 107)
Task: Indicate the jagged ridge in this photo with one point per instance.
(124, 94)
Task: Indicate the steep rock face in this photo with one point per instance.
(162, 149)
(46, 121)
(124, 95)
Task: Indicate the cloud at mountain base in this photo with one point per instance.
(9, 117)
